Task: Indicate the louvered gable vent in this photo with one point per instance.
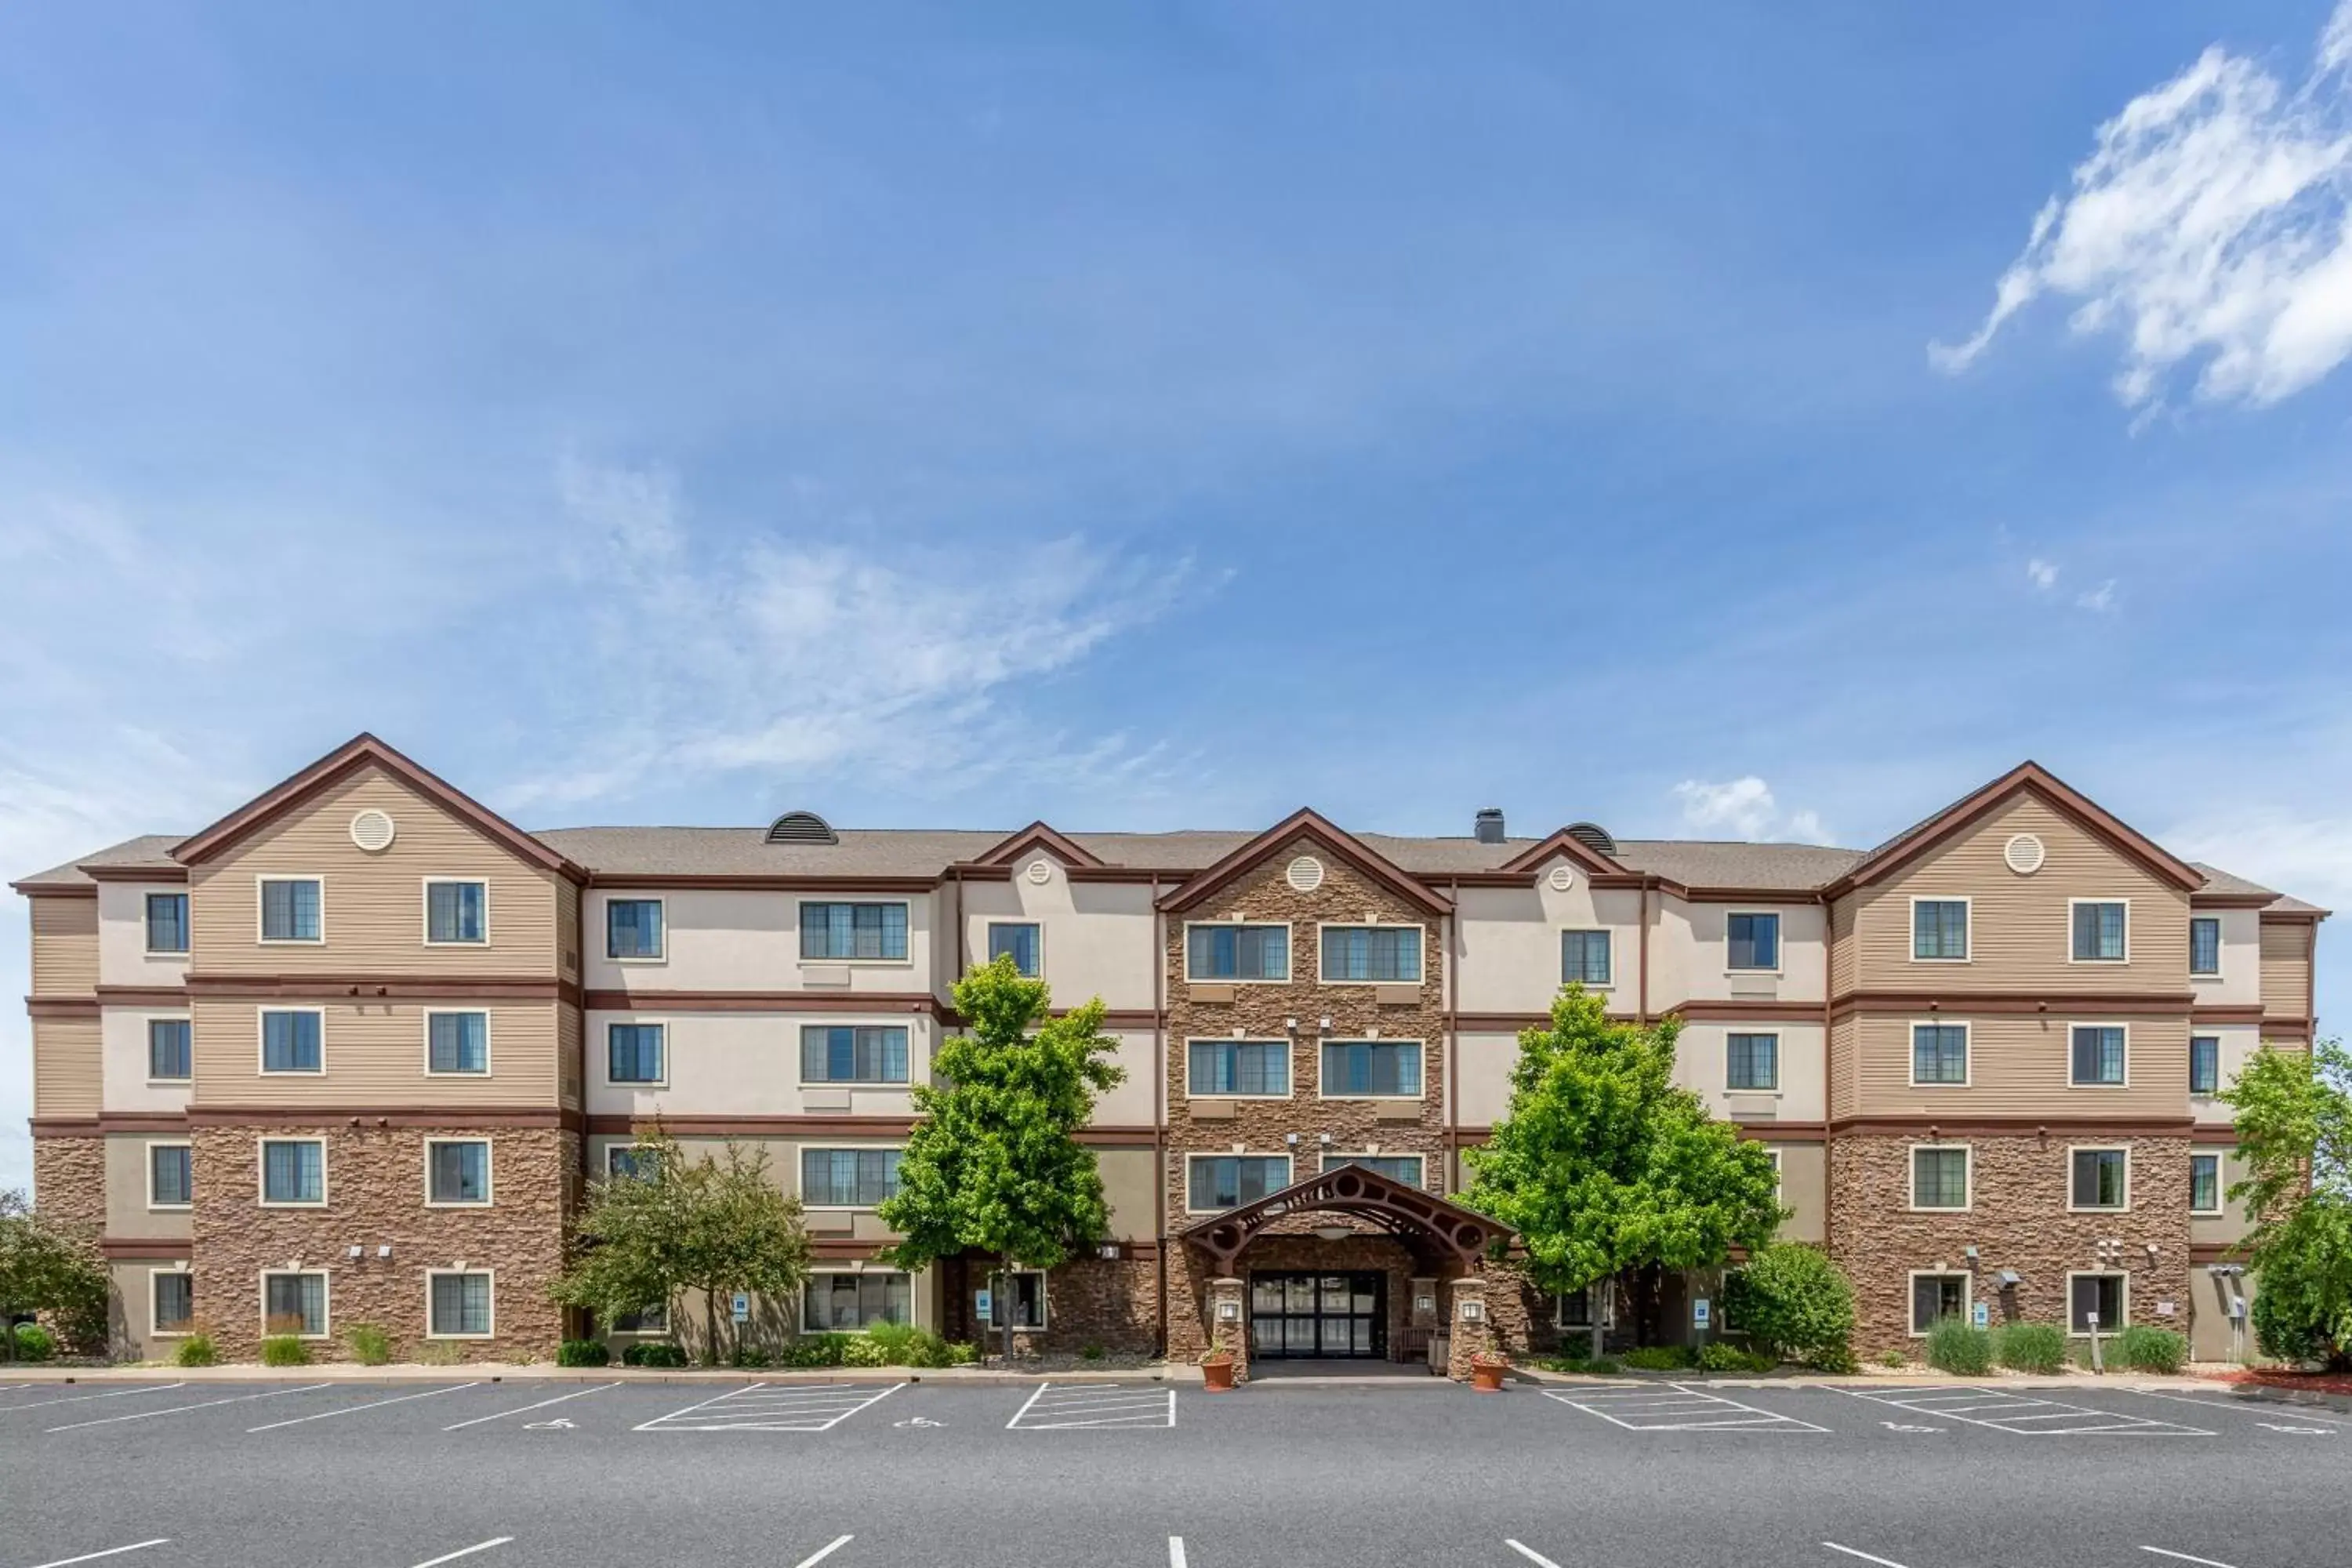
(802, 827)
(1594, 836)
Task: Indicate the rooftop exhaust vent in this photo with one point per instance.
(1594, 836)
(1488, 826)
(802, 827)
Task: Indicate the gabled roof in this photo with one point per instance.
(1562, 842)
(364, 751)
(2026, 778)
(1032, 836)
(1312, 825)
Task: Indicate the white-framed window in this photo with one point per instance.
(848, 1178)
(171, 1302)
(171, 1176)
(634, 929)
(2102, 930)
(841, 931)
(1939, 1054)
(853, 1053)
(295, 1301)
(1942, 1175)
(292, 908)
(1774, 1154)
(2098, 1056)
(457, 912)
(2098, 1178)
(293, 1173)
(2205, 945)
(293, 1039)
(1369, 956)
(2205, 1065)
(1939, 931)
(2107, 1294)
(1025, 1300)
(171, 1050)
(456, 1044)
(1937, 1295)
(845, 1302)
(1237, 1069)
(1751, 1063)
(636, 1052)
(1214, 1182)
(1237, 951)
(167, 925)
(1023, 941)
(630, 1160)
(460, 1304)
(1752, 940)
(2205, 1185)
(1372, 1070)
(1584, 958)
(1573, 1309)
(456, 1172)
(1406, 1169)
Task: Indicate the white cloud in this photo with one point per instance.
(2309, 856)
(2211, 227)
(1746, 808)
(2043, 574)
(2098, 600)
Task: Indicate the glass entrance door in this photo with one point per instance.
(1297, 1315)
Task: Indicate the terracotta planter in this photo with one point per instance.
(1218, 1375)
(1486, 1376)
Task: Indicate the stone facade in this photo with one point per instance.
(1111, 1302)
(70, 1180)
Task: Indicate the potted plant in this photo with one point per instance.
(1217, 1368)
(1487, 1369)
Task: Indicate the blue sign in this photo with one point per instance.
(1982, 1312)
(981, 1304)
(1700, 1306)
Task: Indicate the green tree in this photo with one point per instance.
(995, 1165)
(2295, 1143)
(48, 1265)
(678, 1223)
(1605, 1168)
(1794, 1304)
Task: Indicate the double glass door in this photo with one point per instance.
(1296, 1315)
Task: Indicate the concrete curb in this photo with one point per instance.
(362, 1376)
(1909, 1380)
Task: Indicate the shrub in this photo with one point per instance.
(1091, 1351)
(1717, 1356)
(962, 1352)
(1604, 1366)
(370, 1346)
(1659, 1358)
(863, 1349)
(285, 1349)
(1959, 1347)
(1794, 1304)
(2038, 1348)
(196, 1350)
(441, 1352)
(35, 1343)
(898, 1344)
(755, 1358)
(810, 1349)
(654, 1352)
(1894, 1361)
(2144, 1347)
(583, 1353)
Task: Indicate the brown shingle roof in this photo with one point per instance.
(148, 851)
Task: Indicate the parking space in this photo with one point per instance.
(2024, 1413)
(1677, 1408)
(773, 1407)
(1096, 1406)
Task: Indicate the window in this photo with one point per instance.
(2204, 1183)
(846, 1302)
(1775, 1155)
(650, 1321)
(632, 928)
(1237, 952)
(460, 1306)
(1016, 939)
(167, 922)
(1940, 1177)
(456, 1171)
(1939, 1053)
(1934, 1297)
(847, 1178)
(2204, 944)
(168, 1049)
(2099, 1054)
(1379, 953)
(1259, 1068)
(1573, 1310)
(174, 1301)
(2105, 1296)
(1939, 929)
(852, 931)
(2102, 1179)
(1584, 958)
(1755, 941)
(632, 1053)
(456, 912)
(291, 1041)
(1025, 1300)
(1751, 1061)
(1404, 1168)
(295, 1304)
(457, 1042)
(2204, 1064)
(289, 909)
(843, 1053)
(1375, 1069)
(2099, 932)
(293, 1171)
(1215, 1182)
(170, 1179)
(627, 1160)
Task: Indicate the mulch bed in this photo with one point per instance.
(2335, 1383)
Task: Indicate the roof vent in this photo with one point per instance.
(1488, 827)
(373, 830)
(802, 827)
(2023, 854)
(1305, 873)
(1594, 836)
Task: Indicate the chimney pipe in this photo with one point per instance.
(1489, 825)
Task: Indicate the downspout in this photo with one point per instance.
(1829, 986)
(1160, 1099)
(1642, 1004)
(1452, 1134)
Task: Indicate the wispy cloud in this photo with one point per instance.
(2100, 600)
(2042, 575)
(1745, 806)
(2307, 855)
(2211, 226)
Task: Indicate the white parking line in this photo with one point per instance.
(466, 1551)
(1136, 1407)
(1530, 1553)
(824, 1551)
(1866, 1557)
(175, 1409)
(2184, 1557)
(353, 1409)
(109, 1551)
(772, 1407)
(526, 1409)
(1639, 1408)
(1967, 1405)
(1176, 1552)
(78, 1398)
(2260, 1410)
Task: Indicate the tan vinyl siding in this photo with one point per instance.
(1844, 1074)
(374, 1054)
(373, 905)
(568, 935)
(2017, 1065)
(68, 1071)
(65, 946)
(570, 1062)
(1843, 965)
(2020, 935)
(2287, 968)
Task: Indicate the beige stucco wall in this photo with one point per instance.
(133, 1310)
(747, 1064)
(2240, 984)
(1510, 942)
(127, 1210)
(1702, 1063)
(1691, 963)
(2238, 1042)
(1804, 1190)
(1095, 938)
(123, 1043)
(122, 955)
(717, 939)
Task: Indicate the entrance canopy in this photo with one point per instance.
(1405, 1212)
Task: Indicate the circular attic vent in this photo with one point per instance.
(1041, 871)
(2023, 854)
(802, 827)
(1563, 879)
(1305, 873)
(373, 831)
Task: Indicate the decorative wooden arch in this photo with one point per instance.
(1360, 1193)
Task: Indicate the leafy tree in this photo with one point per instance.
(1605, 1168)
(49, 1266)
(1794, 1304)
(679, 1223)
(995, 1166)
(2294, 1140)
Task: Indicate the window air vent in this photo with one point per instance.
(373, 831)
(802, 827)
(1594, 836)
(2024, 855)
(1305, 873)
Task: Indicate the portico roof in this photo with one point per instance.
(1362, 1193)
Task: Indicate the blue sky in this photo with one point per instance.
(1144, 416)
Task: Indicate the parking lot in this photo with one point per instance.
(882, 1470)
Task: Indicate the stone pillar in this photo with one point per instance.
(1229, 1322)
(1471, 1329)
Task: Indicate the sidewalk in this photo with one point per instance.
(549, 1372)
